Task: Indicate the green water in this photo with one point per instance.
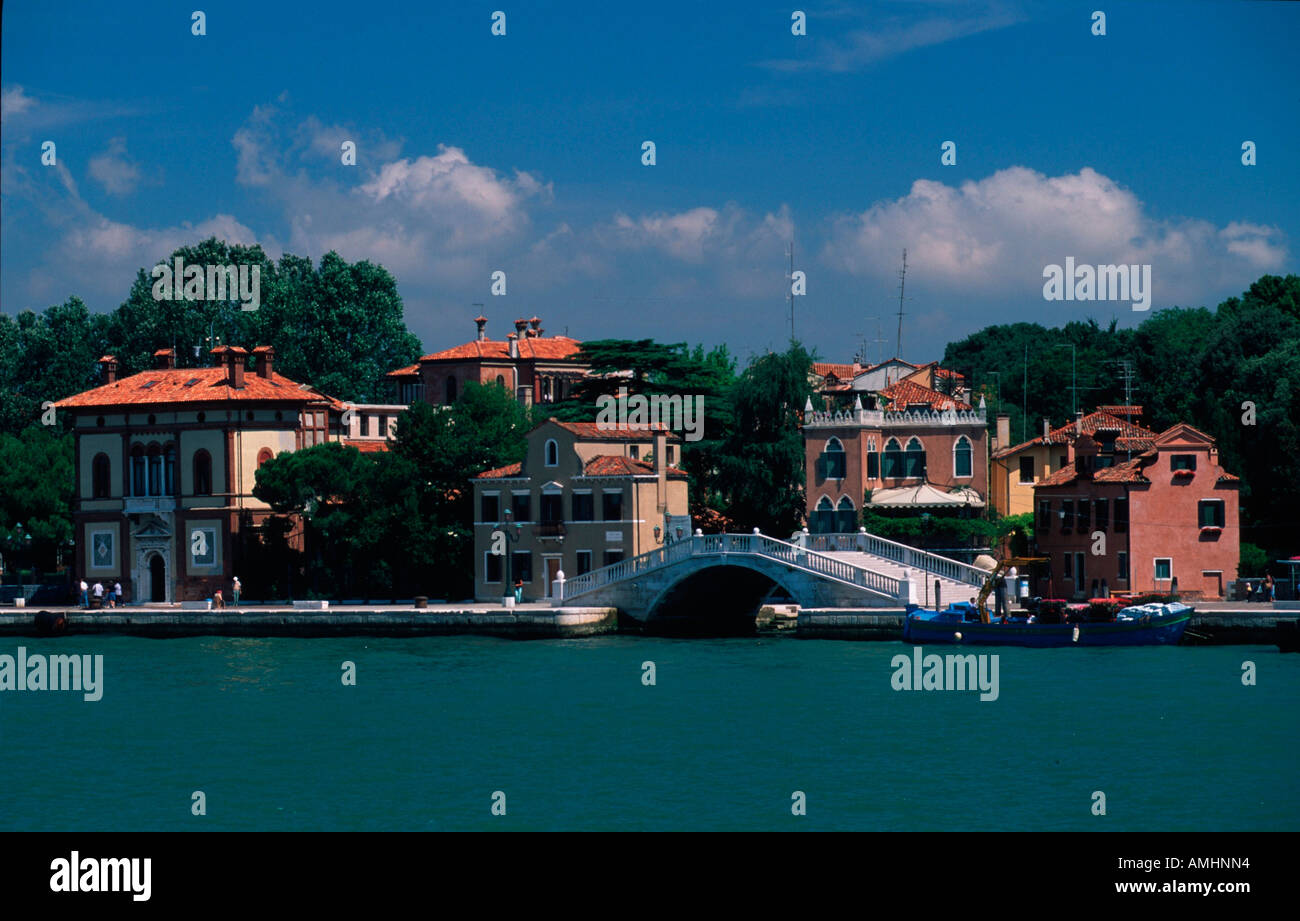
(573, 738)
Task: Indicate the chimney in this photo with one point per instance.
(236, 359)
(1085, 456)
(520, 326)
(530, 334)
(512, 345)
(537, 326)
(164, 359)
(481, 322)
(1047, 428)
(1004, 430)
(108, 368)
(264, 361)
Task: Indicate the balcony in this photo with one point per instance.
(144, 505)
(549, 529)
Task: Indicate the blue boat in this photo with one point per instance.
(1139, 625)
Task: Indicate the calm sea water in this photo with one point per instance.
(569, 733)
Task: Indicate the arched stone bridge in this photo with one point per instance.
(731, 573)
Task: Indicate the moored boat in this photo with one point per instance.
(1139, 625)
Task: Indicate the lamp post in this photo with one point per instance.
(511, 530)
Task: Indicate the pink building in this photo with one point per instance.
(1168, 515)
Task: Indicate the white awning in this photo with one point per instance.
(925, 496)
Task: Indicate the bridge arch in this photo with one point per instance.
(718, 598)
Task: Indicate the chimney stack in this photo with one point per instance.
(264, 361)
(108, 368)
(164, 359)
(1004, 430)
(1047, 428)
(520, 326)
(481, 322)
(234, 359)
(537, 326)
(512, 344)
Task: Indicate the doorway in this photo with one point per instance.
(157, 578)
(552, 566)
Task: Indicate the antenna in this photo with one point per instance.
(789, 288)
(879, 340)
(902, 280)
(1126, 375)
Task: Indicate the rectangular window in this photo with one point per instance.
(1085, 515)
(1210, 513)
(584, 562)
(1044, 515)
(1121, 514)
(613, 556)
(583, 506)
(137, 475)
(1164, 569)
(1080, 576)
(634, 451)
(1103, 514)
(873, 465)
(1026, 470)
(1122, 557)
(552, 508)
(1067, 515)
(1062, 461)
(611, 506)
(521, 506)
(1102, 461)
(1069, 566)
(672, 452)
(365, 425)
(521, 565)
(491, 567)
(491, 511)
(1182, 462)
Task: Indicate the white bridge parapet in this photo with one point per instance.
(909, 557)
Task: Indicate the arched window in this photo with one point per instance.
(833, 461)
(846, 517)
(873, 460)
(169, 470)
(202, 473)
(893, 460)
(155, 470)
(501, 380)
(100, 475)
(914, 465)
(451, 390)
(263, 456)
(823, 518)
(552, 453)
(961, 457)
(137, 471)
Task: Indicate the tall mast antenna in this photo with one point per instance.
(902, 280)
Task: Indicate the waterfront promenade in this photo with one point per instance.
(1214, 623)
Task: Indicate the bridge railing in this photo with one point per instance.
(721, 544)
(902, 554)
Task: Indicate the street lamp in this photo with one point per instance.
(511, 531)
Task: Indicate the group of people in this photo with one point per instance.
(1265, 592)
(109, 598)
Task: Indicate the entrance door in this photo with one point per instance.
(157, 578)
(552, 570)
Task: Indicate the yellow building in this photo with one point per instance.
(1014, 469)
(584, 497)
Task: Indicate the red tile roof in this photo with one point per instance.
(841, 371)
(545, 348)
(1127, 472)
(597, 431)
(903, 394)
(618, 465)
(367, 447)
(1131, 436)
(408, 371)
(1121, 410)
(193, 385)
(501, 473)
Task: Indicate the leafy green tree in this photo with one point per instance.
(46, 357)
(36, 490)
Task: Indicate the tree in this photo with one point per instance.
(36, 490)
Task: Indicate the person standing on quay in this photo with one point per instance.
(85, 594)
(1268, 588)
(117, 593)
(99, 594)
(519, 591)
(235, 588)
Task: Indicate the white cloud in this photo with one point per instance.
(114, 170)
(995, 235)
(13, 102)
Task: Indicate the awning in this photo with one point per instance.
(925, 496)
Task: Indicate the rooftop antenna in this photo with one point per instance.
(1126, 375)
(880, 340)
(902, 280)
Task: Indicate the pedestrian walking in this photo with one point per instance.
(1000, 594)
(1268, 587)
(85, 594)
(217, 600)
(117, 592)
(519, 591)
(235, 588)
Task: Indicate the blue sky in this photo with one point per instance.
(522, 153)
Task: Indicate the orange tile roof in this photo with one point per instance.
(367, 447)
(1121, 410)
(1127, 472)
(907, 393)
(501, 473)
(404, 372)
(841, 371)
(544, 348)
(596, 431)
(193, 385)
(1131, 436)
(619, 465)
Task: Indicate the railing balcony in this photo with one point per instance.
(141, 505)
(549, 529)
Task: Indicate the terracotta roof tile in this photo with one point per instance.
(1130, 435)
(618, 465)
(408, 371)
(1127, 472)
(594, 431)
(500, 473)
(842, 371)
(193, 385)
(367, 447)
(545, 348)
(908, 393)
